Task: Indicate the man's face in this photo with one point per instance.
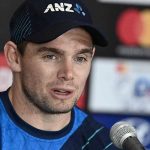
(53, 74)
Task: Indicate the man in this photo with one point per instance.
(50, 54)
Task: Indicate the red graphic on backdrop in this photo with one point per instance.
(82, 100)
(2, 60)
(133, 27)
(5, 74)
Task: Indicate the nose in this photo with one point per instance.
(66, 71)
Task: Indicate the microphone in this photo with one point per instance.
(123, 136)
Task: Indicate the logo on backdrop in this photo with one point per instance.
(133, 27)
(64, 7)
(5, 74)
(133, 33)
(142, 88)
(143, 129)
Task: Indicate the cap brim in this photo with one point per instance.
(53, 31)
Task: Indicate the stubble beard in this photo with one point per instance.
(42, 103)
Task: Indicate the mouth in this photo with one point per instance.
(62, 92)
(59, 93)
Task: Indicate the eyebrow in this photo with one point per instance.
(86, 50)
(46, 49)
(59, 51)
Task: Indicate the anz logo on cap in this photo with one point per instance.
(64, 7)
(79, 10)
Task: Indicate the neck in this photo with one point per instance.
(35, 117)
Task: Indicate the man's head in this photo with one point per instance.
(58, 38)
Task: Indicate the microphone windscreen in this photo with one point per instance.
(120, 131)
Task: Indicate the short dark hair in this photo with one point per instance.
(21, 47)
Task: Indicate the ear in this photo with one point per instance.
(93, 51)
(12, 56)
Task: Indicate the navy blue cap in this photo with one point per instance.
(41, 21)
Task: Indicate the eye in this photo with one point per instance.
(52, 57)
(81, 59)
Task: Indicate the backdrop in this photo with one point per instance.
(119, 84)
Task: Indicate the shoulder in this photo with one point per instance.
(90, 135)
(97, 134)
(2, 97)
